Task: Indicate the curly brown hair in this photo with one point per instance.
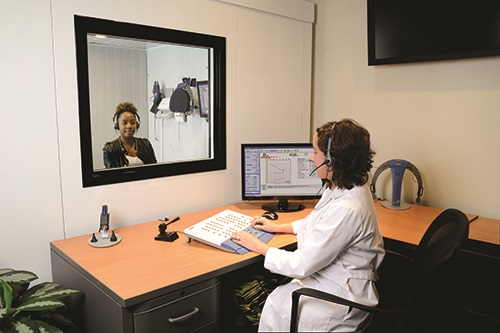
(350, 150)
(125, 107)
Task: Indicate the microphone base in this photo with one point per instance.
(167, 237)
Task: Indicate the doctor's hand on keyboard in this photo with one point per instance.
(249, 238)
(262, 223)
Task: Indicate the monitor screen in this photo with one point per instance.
(280, 172)
(424, 30)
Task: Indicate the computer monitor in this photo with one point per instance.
(279, 171)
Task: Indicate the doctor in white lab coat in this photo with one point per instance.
(339, 244)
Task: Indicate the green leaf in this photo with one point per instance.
(49, 290)
(58, 320)
(5, 313)
(25, 325)
(35, 289)
(40, 305)
(5, 270)
(46, 328)
(5, 294)
(18, 277)
(62, 292)
(20, 305)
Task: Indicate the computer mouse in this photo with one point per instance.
(270, 215)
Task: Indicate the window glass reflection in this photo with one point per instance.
(125, 70)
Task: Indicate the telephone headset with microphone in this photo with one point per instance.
(117, 115)
(329, 159)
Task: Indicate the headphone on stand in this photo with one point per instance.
(182, 100)
(398, 168)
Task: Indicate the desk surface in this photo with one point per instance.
(124, 270)
(485, 230)
(410, 225)
(407, 225)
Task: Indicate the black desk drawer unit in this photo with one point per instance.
(472, 301)
(95, 311)
(480, 284)
(192, 309)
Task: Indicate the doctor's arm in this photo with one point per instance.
(253, 243)
(261, 223)
(317, 250)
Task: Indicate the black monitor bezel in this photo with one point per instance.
(462, 52)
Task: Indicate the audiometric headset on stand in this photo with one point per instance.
(398, 168)
(182, 100)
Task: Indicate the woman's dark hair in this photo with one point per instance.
(350, 151)
(125, 107)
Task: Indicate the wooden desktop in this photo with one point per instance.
(136, 283)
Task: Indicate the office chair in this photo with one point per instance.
(404, 293)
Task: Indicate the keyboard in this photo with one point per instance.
(217, 230)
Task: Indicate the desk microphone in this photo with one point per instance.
(167, 236)
(319, 166)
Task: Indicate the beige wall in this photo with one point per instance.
(42, 198)
(442, 116)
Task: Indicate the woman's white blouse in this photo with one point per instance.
(339, 248)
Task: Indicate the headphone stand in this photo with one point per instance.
(402, 205)
(397, 167)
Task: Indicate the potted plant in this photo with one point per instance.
(36, 309)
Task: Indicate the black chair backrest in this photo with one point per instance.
(441, 240)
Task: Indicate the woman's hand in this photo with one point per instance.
(249, 241)
(261, 223)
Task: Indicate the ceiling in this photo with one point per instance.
(122, 42)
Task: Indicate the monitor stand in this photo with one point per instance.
(283, 206)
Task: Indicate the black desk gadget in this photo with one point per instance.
(217, 230)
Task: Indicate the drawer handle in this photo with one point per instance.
(185, 317)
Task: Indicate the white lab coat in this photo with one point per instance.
(339, 248)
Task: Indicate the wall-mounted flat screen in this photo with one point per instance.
(402, 31)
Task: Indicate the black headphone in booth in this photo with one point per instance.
(182, 100)
(398, 168)
(117, 115)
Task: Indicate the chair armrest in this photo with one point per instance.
(384, 309)
(397, 255)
